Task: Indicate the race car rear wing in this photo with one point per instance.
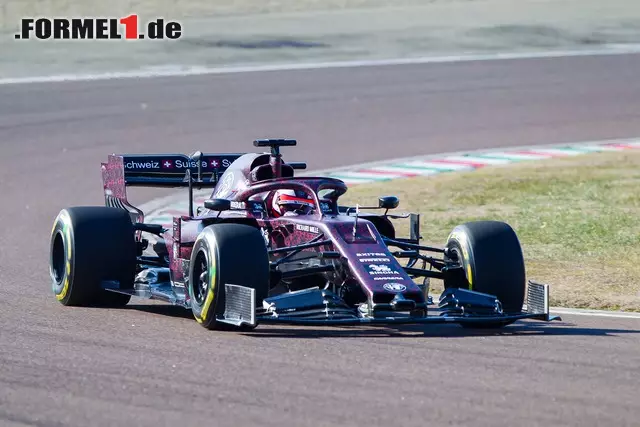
(169, 170)
(159, 170)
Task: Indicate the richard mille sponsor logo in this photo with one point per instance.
(307, 228)
(375, 260)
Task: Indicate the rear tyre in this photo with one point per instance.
(226, 253)
(492, 258)
(90, 245)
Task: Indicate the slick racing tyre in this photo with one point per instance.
(226, 253)
(492, 258)
(90, 245)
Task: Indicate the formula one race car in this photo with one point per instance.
(268, 247)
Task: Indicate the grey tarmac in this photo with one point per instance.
(150, 364)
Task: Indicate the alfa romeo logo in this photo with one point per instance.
(395, 287)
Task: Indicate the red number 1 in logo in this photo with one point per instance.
(130, 26)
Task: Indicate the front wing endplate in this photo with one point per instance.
(239, 305)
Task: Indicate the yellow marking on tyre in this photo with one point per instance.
(465, 252)
(461, 238)
(470, 277)
(64, 218)
(62, 294)
(211, 290)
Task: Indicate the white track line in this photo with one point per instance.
(181, 71)
(594, 313)
(576, 311)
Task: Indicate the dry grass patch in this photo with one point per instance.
(578, 220)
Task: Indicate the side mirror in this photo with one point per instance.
(388, 202)
(298, 165)
(218, 204)
(196, 157)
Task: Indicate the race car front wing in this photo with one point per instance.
(323, 307)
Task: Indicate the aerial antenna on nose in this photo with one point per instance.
(355, 223)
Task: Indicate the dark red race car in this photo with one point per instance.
(271, 247)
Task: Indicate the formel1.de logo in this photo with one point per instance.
(108, 28)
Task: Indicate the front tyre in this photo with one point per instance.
(225, 253)
(90, 245)
(491, 255)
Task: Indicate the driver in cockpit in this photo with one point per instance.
(291, 202)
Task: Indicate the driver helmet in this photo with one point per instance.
(291, 202)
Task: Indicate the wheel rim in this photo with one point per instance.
(201, 276)
(58, 262)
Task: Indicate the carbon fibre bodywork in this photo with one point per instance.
(334, 265)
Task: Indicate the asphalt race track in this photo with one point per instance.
(154, 365)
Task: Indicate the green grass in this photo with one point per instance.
(578, 219)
